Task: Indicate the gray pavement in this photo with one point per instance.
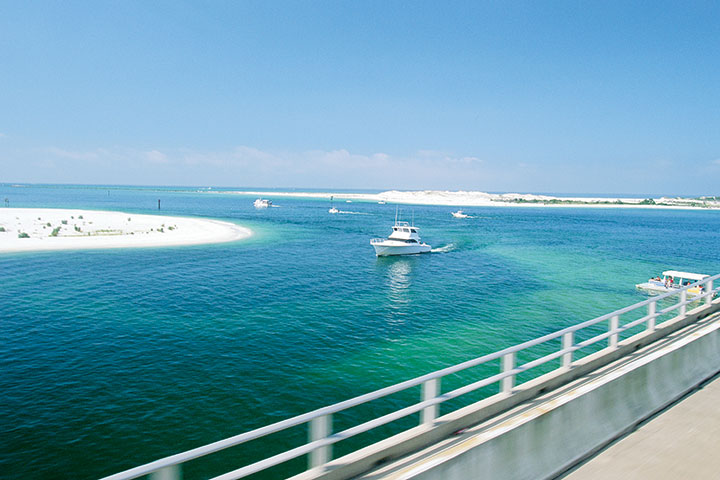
(682, 442)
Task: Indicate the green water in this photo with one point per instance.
(113, 358)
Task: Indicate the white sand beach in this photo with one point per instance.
(482, 199)
(28, 229)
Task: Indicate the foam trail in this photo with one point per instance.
(447, 248)
(353, 213)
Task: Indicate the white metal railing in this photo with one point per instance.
(321, 438)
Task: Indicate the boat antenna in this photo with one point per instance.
(396, 213)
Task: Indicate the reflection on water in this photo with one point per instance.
(399, 281)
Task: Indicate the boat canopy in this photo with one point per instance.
(686, 275)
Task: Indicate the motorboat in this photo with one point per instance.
(332, 207)
(404, 240)
(382, 202)
(262, 203)
(458, 214)
(672, 281)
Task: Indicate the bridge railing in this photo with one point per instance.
(321, 437)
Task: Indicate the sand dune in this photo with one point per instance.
(482, 199)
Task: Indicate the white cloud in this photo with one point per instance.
(156, 156)
(249, 166)
(73, 155)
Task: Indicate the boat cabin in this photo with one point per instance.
(405, 232)
(675, 279)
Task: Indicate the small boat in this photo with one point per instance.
(671, 281)
(348, 201)
(332, 207)
(382, 202)
(458, 214)
(404, 240)
(262, 203)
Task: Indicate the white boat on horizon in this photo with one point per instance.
(332, 207)
(459, 214)
(404, 240)
(262, 203)
(671, 281)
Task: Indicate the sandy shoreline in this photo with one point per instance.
(30, 229)
(482, 199)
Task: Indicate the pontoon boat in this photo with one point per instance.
(673, 280)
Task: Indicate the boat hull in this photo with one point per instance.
(658, 288)
(387, 250)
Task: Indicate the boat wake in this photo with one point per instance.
(352, 213)
(445, 249)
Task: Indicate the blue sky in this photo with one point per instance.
(566, 97)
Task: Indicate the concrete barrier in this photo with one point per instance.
(558, 429)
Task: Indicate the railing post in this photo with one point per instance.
(320, 428)
(430, 390)
(568, 340)
(683, 299)
(652, 309)
(614, 324)
(708, 291)
(508, 363)
(173, 472)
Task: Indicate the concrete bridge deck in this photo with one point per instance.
(681, 442)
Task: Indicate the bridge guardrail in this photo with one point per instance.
(321, 437)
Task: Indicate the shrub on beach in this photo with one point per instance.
(2, 229)
(48, 224)
(55, 232)
(64, 222)
(23, 235)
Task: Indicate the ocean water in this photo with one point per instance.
(113, 358)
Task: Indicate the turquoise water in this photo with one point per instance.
(112, 358)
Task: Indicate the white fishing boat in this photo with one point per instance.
(382, 202)
(262, 203)
(332, 207)
(404, 240)
(458, 214)
(671, 281)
